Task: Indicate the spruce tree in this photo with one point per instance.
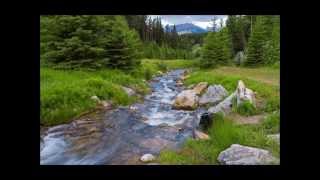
(88, 41)
(256, 43)
(123, 47)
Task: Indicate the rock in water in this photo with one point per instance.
(186, 100)
(200, 135)
(213, 95)
(107, 105)
(224, 107)
(129, 91)
(191, 86)
(205, 121)
(179, 83)
(147, 158)
(199, 88)
(244, 94)
(243, 155)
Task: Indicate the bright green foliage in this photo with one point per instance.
(271, 123)
(88, 41)
(264, 43)
(216, 49)
(246, 108)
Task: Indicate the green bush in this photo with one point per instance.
(148, 74)
(246, 108)
(88, 41)
(271, 123)
(163, 67)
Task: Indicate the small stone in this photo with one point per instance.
(153, 164)
(133, 108)
(163, 125)
(147, 158)
(179, 83)
(129, 91)
(200, 135)
(93, 129)
(95, 98)
(106, 104)
(144, 118)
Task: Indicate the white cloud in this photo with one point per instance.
(201, 24)
(202, 21)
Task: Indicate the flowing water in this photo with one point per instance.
(123, 135)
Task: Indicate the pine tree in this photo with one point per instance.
(88, 41)
(236, 31)
(123, 48)
(271, 48)
(256, 43)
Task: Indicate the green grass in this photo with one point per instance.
(65, 94)
(271, 124)
(222, 134)
(246, 108)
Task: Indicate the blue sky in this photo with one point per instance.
(200, 20)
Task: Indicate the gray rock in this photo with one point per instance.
(274, 137)
(129, 91)
(244, 94)
(213, 95)
(95, 98)
(243, 155)
(239, 57)
(200, 135)
(147, 158)
(153, 164)
(106, 104)
(224, 107)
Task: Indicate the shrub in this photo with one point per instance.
(246, 108)
(271, 123)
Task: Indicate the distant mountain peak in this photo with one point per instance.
(186, 28)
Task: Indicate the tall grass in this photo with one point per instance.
(222, 134)
(65, 94)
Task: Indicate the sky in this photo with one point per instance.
(202, 21)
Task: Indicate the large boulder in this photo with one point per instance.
(244, 94)
(200, 87)
(186, 100)
(224, 107)
(213, 95)
(239, 57)
(241, 94)
(243, 155)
